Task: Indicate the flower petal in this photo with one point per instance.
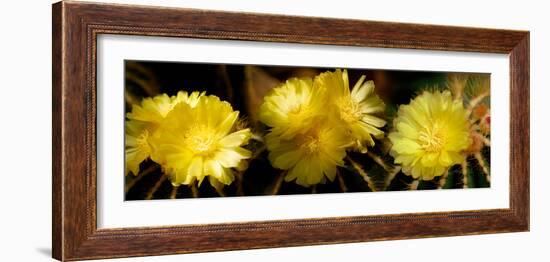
(231, 157)
(236, 138)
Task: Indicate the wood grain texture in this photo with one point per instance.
(76, 26)
(519, 130)
(57, 196)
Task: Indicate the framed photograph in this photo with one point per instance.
(181, 130)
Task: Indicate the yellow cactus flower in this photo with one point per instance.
(201, 141)
(137, 147)
(292, 107)
(142, 123)
(355, 109)
(430, 135)
(314, 121)
(311, 156)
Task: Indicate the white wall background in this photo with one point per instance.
(25, 129)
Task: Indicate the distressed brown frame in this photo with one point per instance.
(76, 26)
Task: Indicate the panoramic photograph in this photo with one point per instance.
(201, 130)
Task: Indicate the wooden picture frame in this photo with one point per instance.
(76, 26)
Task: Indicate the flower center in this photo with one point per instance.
(349, 110)
(432, 140)
(141, 142)
(201, 140)
(310, 143)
